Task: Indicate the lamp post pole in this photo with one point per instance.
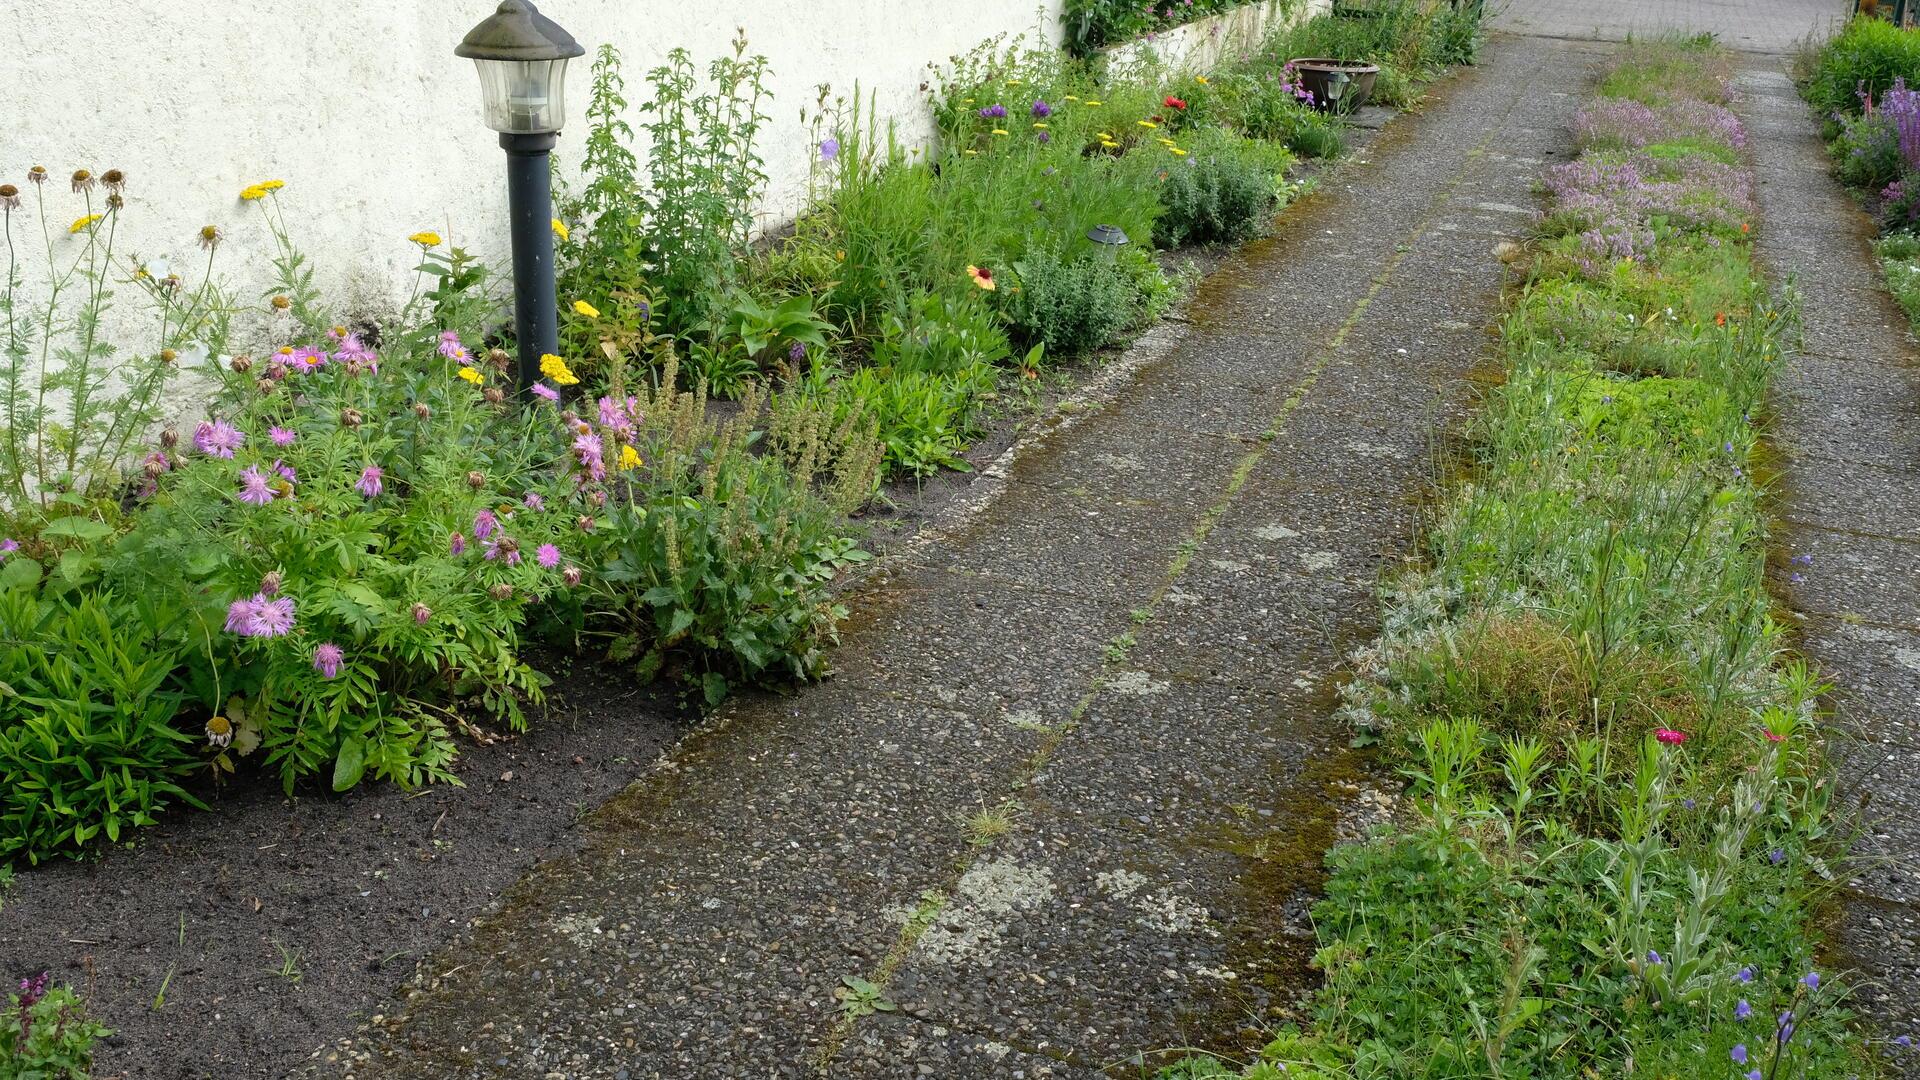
(522, 59)
(536, 320)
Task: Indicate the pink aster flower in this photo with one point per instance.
(587, 449)
(370, 483)
(307, 361)
(544, 392)
(548, 556)
(240, 617)
(8, 547)
(253, 486)
(327, 659)
(217, 438)
(483, 524)
(281, 436)
(450, 346)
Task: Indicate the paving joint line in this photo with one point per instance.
(882, 977)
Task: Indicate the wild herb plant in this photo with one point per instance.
(46, 1034)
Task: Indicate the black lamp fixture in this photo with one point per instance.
(1110, 239)
(522, 56)
(1336, 89)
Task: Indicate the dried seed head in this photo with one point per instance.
(154, 466)
(265, 386)
(115, 202)
(571, 575)
(37, 174)
(421, 410)
(421, 613)
(172, 283)
(9, 197)
(209, 237)
(350, 418)
(498, 358)
(169, 438)
(114, 179)
(277, 369)
(507, 545)
(584, 522)
(597, 497)
(82, 181)
(241, 364)
(476, 479)
(168, 356)
(502, 591)
(495, 395)
(271, 582)
(280, 303)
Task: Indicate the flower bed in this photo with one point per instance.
(1616, 830)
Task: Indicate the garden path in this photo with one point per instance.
(1126, 649)
(1848, 433)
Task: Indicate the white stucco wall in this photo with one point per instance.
(362, 108)
(1199, 46)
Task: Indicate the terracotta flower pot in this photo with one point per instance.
(1314, 72)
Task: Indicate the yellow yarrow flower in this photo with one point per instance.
(253, 193)
(556, 369)
(1146, 123)
(999, 131)
(1041, 124)
(472, 376)
(1070, 97)
(1202, 80)
(1013, 82)
(1177, 151)
(273, 185)
(581, 307)
(426, 239)
(83, 223)
(972, 153)
(629, 458)
(1090, 103)
(560, 230)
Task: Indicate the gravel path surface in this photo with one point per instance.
(1065, 802)
(1849, 436)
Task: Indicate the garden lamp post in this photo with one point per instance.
(1110, 238)
(1336, 89)
(522, 56)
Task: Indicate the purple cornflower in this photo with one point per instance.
(253, 486)
(280, 436)
(1803, 559)
(483, 524)
(548, 556)
(1742, 1010)
(354, 354)
(503, 546)
(1796, 578)
(327, 659)
(1904, 1042)
(1785, 1034)
(587, 449)
(272, 618)
(450, 346)
(533, 501)
(240, 616)
(457, 544)
(829, 148)
(370, 483)
(217, 438)
(1753, 1074)
(994, 112)
(1653, 957)
(544, 392)
(285, 471)
(619, 416)
(1778, 856)
(1744, 975)
(1042, 110)
(1739, 1053)
(1688, 803)
(8, 547)
(1811, 981)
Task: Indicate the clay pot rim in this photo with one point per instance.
(1327, 63)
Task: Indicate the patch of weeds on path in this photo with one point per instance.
(1621, 835)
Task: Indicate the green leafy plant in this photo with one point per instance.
(46, 1034)
(1069, 305)
(1223, 192)
(1860, 63)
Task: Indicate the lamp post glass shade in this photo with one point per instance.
(522, 56)
(1109, 239)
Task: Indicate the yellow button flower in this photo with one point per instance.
(1091, 103)
(560, 230)
(1146, 123)
(83, 223)
(581, 307)
(472, 376)
(426, 239)
(556, 369)
(629, 458)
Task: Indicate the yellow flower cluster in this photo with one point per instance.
(556, 369)
(472, 376)
(260, 190)
(560, 229)
(629, 458)
(83, 223)
(426, 239)
(581, 307)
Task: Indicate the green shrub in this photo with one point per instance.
(1223, 192)
(1070, 306)
(88, 746)
(1866, 153)
(46, 1034)
(1864, 58)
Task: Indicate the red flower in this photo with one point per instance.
(1174, 102)
(1772, 737)
(1670, 736)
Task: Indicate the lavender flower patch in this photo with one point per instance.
(1691, 193)
(1624, 124)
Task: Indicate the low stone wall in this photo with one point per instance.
(1205, 42)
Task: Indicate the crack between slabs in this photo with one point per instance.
(935, 898)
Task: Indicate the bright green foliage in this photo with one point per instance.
(1866, 57)
(1092, 24)
(46, 1034)
(1900, 257)
(1222, 192)
(1070, 305)
(88, 746)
